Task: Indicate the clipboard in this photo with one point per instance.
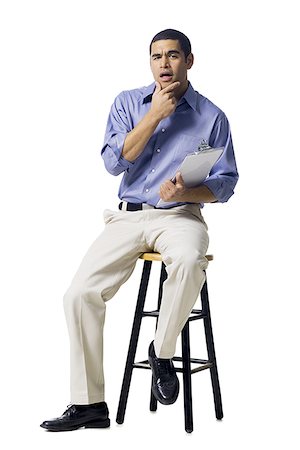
(195, 168)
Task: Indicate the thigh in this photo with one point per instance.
(183, 237)
(114, 252)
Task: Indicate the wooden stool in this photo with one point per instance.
(185, 359)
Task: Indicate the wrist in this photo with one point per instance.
(154, 117)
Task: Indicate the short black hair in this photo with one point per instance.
(175, 35)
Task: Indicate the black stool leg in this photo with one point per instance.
(211, 353)
(163, 277)
(187, 378)
(133, 341)
(153, 402)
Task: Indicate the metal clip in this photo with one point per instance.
(203, 145)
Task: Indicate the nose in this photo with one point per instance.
(164, 61)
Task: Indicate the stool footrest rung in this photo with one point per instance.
(142, 365)
(150, 313)
(195, 314)
(204, 364)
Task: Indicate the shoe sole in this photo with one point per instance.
(97, 424)
(92, 424)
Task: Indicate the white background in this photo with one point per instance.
(62, 64)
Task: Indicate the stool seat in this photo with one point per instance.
(154, 256)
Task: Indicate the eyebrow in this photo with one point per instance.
(170, 51)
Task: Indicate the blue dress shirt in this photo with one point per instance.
(195, 119)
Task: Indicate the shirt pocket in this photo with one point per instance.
(185, 145)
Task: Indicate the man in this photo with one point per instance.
(149, 132)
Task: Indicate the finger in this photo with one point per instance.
(157, 87)
(179, 178)
(164, 193)
(171, 87)
(165, 189)
(168, 185)
(170, 96)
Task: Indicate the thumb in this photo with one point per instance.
(179, 179)
(157, 87)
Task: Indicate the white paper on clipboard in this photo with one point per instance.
(195, 168)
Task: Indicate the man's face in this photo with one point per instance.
(168, 62)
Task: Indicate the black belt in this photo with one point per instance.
(127, 206)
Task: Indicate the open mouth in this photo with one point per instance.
(166, 76)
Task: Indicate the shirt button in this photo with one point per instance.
(153, 170)
(163, 130)
(158, 150)
(147, 190)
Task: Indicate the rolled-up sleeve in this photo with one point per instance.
(223, 175)
(118, 125)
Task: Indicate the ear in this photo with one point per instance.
(190, 60)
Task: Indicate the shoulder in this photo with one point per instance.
(132, 96)
(205, 105)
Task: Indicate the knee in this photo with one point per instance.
(71, 300)
(192, 261)
(79, 296)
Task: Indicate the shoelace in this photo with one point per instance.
(164, 368)
(71, 409)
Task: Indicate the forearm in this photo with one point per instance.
(178, 192)
(137, 138)
(200, 194)
(163, 104)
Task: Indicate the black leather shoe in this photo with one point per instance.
(165, 384)
(78, 416)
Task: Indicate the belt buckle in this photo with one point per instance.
(135, 206)
(130, 206)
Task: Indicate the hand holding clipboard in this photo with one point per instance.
(195, 167)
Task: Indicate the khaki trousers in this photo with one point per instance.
(180, 235)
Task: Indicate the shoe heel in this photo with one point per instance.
(98, 424)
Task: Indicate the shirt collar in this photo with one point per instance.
(189, 96)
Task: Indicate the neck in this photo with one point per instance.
(181, 90)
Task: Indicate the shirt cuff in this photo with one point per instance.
(124, 163)
(221, 190)
(119, 144)
(115, 163)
